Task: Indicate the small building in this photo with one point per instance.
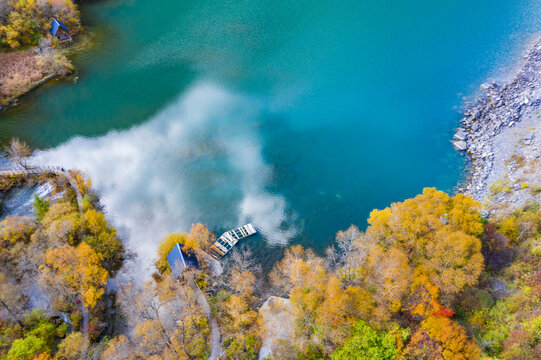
(60, 31)
(179, 261)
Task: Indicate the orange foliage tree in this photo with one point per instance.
(441, 338)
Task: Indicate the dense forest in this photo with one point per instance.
(429, 278)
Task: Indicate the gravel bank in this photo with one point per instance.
(502, 135)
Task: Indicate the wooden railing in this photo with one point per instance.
(34, 170)
(40, 169)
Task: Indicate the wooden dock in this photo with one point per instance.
(230, 239)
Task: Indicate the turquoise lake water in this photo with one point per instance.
(299, 116)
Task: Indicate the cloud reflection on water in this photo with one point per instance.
(198, 160)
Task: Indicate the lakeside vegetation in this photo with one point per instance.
(29, 54)
(429, 278)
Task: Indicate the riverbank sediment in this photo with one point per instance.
(501, 134)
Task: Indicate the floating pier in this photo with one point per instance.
(230, 239)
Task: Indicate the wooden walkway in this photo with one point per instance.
(57, 170)
(37, 170)
(230, 239)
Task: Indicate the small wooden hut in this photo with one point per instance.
(179, 261)
(60, 31)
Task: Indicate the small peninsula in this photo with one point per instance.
(29, 54)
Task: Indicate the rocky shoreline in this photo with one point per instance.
(500, 134)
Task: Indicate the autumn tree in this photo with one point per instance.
(103, 239)
(119, 348)
(335, 316)
(5, 8)
(199, 238)
(423, 300)
(75, 272)
(15, 229)
(17, 151)
(438, 233)
(243, 259)
(388, 276)
(349, 253)
(415, 221)
(43, 356)
(26, 348)
(322, 308)
(61, 223)
(441, 338)
(298, 267)
(82, 184)
(168, 322)
(238, 315)
(74, 346)
(453, 260)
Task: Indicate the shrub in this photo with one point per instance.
(366, 343)
(500, 187)
(27, 348)
(41, 206)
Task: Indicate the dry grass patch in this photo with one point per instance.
(18, 70)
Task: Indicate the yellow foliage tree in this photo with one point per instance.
(61, 223)
(75, 272)
(95, 221)
(437, 231)
(453, 260)
(299, 268)
(119, 348)
(335, 314)
(74, 346)
(243, 282)
(413, 222)
(83, 184)
(389, 276)
(16, 228)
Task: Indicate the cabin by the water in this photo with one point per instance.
(179, 261)
(230, 239)
(60, 31)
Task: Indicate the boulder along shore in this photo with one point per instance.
(501, 134)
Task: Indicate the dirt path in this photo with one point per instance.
(215, 348)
